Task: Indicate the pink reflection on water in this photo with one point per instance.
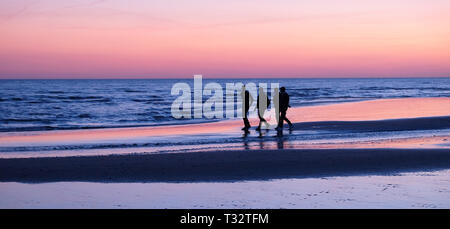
(354, 111)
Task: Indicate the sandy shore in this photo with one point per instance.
(303, 160)
(382, 139)
(402, 190)
(404, 108)
(223, 165)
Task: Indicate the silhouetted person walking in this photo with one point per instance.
(262, 104)
(247, 100)
(283, 106)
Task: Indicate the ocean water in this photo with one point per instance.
(31, 105)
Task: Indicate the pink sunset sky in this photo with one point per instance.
(232, 38)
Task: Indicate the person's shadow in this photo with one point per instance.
(261, 134)
(280, 141)
(246, 133)
(281, 138)
(245, 140)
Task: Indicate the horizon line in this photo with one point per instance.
(218, 77)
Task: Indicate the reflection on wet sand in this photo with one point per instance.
(315, 128)
(354, 111)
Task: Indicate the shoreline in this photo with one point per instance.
(223, 166)
(371, 110)
(356, 154)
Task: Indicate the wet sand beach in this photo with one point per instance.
(377, 140)
(353, 111)
(223, 165)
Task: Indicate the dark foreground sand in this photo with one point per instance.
(223, 165)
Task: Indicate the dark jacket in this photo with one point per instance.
(284, 101)
(247, 100)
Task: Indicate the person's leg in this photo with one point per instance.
(282, 118)
(246, 122)
(265, 121)
(261, 120)
(287, 120)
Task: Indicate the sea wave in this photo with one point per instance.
(27, 105)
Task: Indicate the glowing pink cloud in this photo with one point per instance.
(140, 39)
